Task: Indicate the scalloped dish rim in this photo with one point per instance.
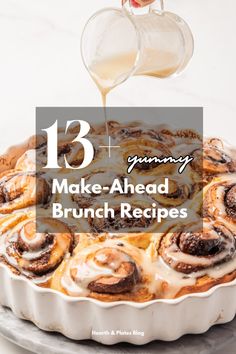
(204, 294)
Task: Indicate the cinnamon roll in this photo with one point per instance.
(20, 190)
(190, 250)
(108, 271)
(220, 200)
(9, 159)
(197, 257)
(33, 254)
(214, 159)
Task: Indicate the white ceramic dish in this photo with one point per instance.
(110, 323)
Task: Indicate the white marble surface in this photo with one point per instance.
(11, 348)
(40, 65)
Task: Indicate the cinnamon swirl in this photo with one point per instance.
(33, 254)
(220, 200)
(108, 271)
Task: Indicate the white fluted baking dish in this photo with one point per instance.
(110, 323)
(113, 322)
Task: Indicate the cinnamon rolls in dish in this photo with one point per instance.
(131, 259)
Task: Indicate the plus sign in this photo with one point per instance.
(109, 146)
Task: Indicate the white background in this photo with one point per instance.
(40, 65)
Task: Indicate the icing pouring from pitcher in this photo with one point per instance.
(119, 43)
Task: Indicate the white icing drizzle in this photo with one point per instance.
(175, 280)
(87, 270)
(180, 257)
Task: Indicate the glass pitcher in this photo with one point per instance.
(118, 43)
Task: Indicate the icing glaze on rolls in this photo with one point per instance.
(111, 268)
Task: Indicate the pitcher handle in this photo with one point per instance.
(157, 5)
